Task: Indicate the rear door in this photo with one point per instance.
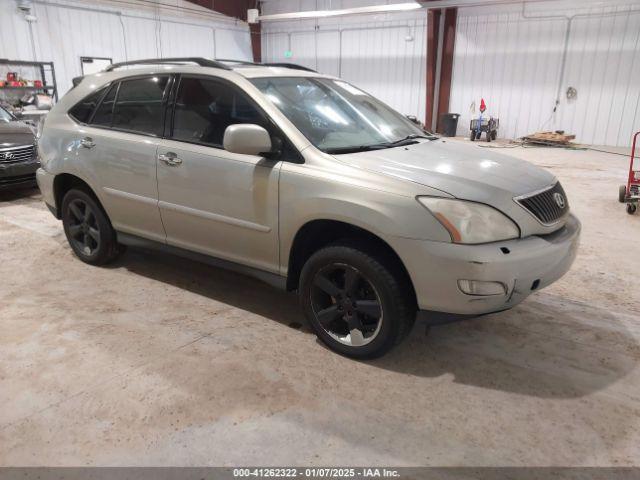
(121, 142)
(212, 201)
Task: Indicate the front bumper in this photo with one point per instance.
(16, 175)
(522, 265)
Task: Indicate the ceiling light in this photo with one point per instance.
(398, 7)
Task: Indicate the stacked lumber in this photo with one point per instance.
(549, 138)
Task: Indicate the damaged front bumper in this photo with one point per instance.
(521, 266)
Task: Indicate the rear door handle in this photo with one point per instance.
(87, 142)
(170, 159)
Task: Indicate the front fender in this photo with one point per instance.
(304, 198)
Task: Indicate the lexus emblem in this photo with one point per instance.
(559, 199)
(7, 155)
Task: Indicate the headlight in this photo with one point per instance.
(470, 222)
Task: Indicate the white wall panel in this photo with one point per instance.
(382, 54)
(230, 44)
(66, 30)
(513, 60)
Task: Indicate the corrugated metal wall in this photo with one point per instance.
(382, 54)
(513, 60)
(65, 31)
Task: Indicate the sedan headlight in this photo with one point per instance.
(470, 222)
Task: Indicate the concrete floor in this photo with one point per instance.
(161, 361)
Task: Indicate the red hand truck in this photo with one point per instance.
(630, 193)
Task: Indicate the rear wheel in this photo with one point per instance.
(88, 230)
(357, 305)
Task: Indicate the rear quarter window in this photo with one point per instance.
(81, 112)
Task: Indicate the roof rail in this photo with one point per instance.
(289, 65)
(238, 62)
(203, 62)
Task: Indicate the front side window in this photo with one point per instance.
(204, 108)
(82, 111)
(139, 106)
(336, 116)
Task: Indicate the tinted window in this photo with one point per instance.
(83, 110)
(104, 113)
(139, 105)
(205, 108)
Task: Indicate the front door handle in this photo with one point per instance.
(87, 142)
(170, 159)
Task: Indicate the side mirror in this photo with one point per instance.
(247, 139)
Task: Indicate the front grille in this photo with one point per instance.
(17, 154)
(547, 206)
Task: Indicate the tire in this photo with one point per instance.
(488, 136)
(631, 208)
(363, 318)
(622, 193)
(494, 134)
(88, 229)
(473, 136)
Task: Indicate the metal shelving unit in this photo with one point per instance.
(43, 67)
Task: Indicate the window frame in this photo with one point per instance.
(106, 87)
(164, 102)
(168, 111)
(274, 130)
(95, 110)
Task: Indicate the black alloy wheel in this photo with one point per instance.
(84, 231)
(357, 299)
(346, 305)
(88, 229)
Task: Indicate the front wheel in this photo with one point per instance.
(88, 229)
(631, 208)
(357, 305)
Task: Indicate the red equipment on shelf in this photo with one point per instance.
(630, 193)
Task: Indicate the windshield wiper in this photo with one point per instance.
(354, 149)
(408, 140)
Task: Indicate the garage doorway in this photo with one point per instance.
(90, 65)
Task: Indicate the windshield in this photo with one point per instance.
(5, 116)
(336, 116)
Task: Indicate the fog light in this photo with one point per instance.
(477, 287)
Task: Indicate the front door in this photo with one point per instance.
(213, 201)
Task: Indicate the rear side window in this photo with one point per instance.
(205, 108)
(82, 111)
(104, 113)
(139, 107)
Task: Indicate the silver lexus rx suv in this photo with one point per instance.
(307, 182)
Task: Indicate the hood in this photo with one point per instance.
(464, 171)
(13, 134)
